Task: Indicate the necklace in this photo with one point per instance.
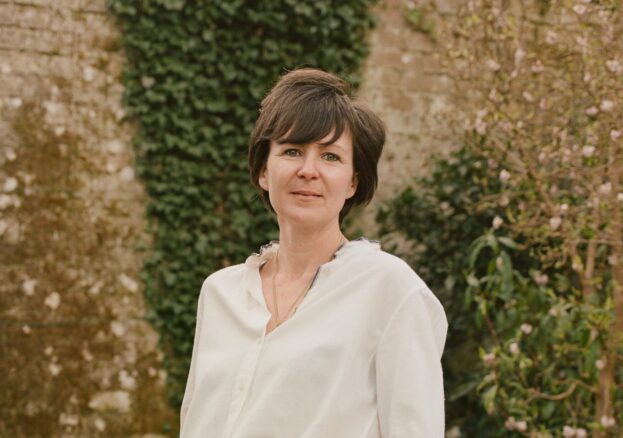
(301, 294)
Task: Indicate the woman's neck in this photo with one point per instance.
(301, 252)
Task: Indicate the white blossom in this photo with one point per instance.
(521, 426)
(514, 348)
(526, 328)
(526, 95)
(588, 150)
(55, 369)
(615, 134)
(127, 173)
(615, 66)
(493, 65)
(147, 81)
(29, 285)
(592, 111)
(126, 380)
(88, 73)
(118, 328)
(10, 154)
(10, 184)
(605, 188)
(53, 300)
(519, 55)
(504, 201)
(537, 67)
(554, 223)
(564, 208)
(510, 423)
(600, 364)
(613, 260)
(607, 421)
(489, 358)
(497, 222)
(128, 283)
(579, 9)
(568, 432)
(606, 105)
(26, 329)
(100, 424)
(71, 420)
(505, 176)
(620, 197)
(581, 433)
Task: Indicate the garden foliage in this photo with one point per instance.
(542, 281)
(195, 74)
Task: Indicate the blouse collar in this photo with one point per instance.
(268, 250)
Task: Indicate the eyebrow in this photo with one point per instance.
(337, 145)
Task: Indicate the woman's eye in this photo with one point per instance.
(331, 157)
(291, 152)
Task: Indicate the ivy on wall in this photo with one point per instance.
(194, 77)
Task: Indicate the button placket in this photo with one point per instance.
(242, 385)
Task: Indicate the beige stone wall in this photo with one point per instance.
(78, 357)
(405, 85)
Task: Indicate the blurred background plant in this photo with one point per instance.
(194, 78)
(520, 230)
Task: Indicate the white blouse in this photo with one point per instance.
(360, 358)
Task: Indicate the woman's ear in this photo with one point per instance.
(353, 186)
(262, 180)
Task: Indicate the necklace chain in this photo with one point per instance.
(301, 294)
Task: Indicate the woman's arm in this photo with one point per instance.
(409, 382)
(190, 382)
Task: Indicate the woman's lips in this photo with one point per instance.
(303, 195)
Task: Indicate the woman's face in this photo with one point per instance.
(308, 184)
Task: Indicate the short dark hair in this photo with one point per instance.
(306, 105)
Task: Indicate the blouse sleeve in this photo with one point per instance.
(410, 395)
(190, 382)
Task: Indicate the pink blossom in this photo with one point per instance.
(537, 67)
(541, 279)
(493, 65)
(526, 95)
(592, 111)
(489, 358)
(615, 66)
(510, 423)
(579, 9)
(581, 433)
(514, 348)
(615, 134)
(606, 105)
(605, 188)
(588, 150)
(607, 421)
(521, 426)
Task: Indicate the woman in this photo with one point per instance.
(316, 336)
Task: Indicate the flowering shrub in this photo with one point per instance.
(541, 84)
(544, 81)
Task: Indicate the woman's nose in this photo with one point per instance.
(309, 166)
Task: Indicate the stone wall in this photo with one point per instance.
(404, 84)
(78, 357)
